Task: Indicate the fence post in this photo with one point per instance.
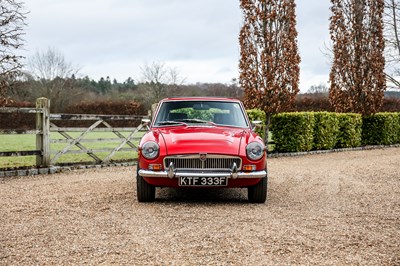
(43, 125)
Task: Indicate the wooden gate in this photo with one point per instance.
(100, 120)
(47, 123)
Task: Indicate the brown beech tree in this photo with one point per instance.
(11, 31)
(269, 58)
(357, 74)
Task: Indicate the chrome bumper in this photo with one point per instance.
(234, 175)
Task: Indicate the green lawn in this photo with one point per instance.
(28, 142)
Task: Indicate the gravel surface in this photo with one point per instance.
(328, 209)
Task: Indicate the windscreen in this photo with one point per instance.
(201, 112)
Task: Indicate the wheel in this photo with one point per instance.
(258, 192)
(145, 192)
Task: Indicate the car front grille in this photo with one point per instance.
(194, 162)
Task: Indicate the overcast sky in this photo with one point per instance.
(197, 37)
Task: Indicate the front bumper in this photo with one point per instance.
(177, 174)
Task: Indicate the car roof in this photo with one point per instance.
(200, 99)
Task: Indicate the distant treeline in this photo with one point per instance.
(70, 95)
(64, 93)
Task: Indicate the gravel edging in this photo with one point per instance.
(60, 169)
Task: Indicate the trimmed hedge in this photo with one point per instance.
(326, 129)
(381, 129)
(350, 128)
(293, 132)
(304, 131)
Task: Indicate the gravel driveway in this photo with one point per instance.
(328, 209)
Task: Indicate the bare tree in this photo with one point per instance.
(357, 74)
(319, 89)
(12, 23)
(157, 78)
(269, 58)
(392, 42)
(54, 77)
(49, 65)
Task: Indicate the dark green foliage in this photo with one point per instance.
(293, 132)
(325, 130)
(350, 127)
(381, 129)
(258, 115)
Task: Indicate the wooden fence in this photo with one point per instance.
(45, 123)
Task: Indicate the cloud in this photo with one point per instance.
(114, 37)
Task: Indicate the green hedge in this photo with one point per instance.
(304, 131)
(293, 132)
(381, 129)
(350, 128)
(326, 129)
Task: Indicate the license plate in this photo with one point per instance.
(188, 181)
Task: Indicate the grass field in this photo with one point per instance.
(28, 142)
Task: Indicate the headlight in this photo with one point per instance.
(255, 151)
(150, 150)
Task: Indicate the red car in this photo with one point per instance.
(201, 143)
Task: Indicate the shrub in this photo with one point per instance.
(325, 130)
(350, 128)
(390, 104)
(316, 102)
(18, 120)
(293, 132)
(381, 129)
(120, 107)
(27, 121)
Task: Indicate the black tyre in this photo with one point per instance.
(145, 192)
(258, 192)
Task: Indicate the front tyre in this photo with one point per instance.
(258, 192)
(145, 192)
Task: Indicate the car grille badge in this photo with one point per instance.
(203, 157)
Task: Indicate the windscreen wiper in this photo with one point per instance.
(166, 123)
